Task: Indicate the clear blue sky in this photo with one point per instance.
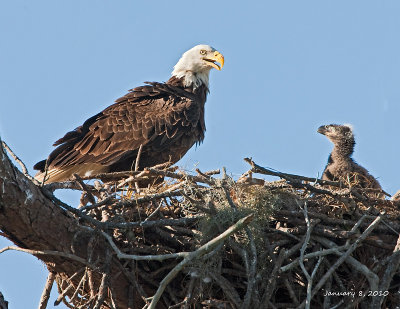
(290, 66)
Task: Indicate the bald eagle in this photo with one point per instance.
(164, 120)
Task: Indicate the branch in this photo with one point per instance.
(262, 170)
(105, 281)
(302, 251)
(50, 252)
(134, 257)
(46, 291)
(17, 159)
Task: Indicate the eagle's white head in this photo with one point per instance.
(195, 65)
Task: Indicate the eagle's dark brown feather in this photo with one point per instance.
(165, 118)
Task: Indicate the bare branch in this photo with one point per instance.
(49, 252)
(46, 291)
(19, 161)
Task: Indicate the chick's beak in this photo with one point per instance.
(216, 57)
(322, 130)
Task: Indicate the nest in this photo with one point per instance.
(292, 243)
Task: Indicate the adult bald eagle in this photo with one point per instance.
(163, 119)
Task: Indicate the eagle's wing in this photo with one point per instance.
(151, 115)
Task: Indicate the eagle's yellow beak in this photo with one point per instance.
(216, 57)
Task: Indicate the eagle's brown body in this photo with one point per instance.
(167, 119)
(162, 121)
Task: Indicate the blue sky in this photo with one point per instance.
(290, 66)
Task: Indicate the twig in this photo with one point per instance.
(156, 172)
(302, 251)
(292, 294)
(84, 188)
(106, 201)
(60, 297)
(262, 170)
(46, 291)
(252, 271)
(49, 252)
(113, 301)
(157, 257)
(137, 165)
(271, 282)
(195, 255)
(229, 291)
(105, 281)
(19, 161)
(154, 212)
(81, 284)
(313, 255)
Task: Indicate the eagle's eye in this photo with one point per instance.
(203, 52)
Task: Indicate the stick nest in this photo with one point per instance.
(309, 243)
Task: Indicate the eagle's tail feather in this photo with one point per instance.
(61, 174)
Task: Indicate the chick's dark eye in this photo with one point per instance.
(203, 52)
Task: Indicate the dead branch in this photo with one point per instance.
(46, 291)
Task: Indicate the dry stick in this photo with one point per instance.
(189, 293)
(113, 301)
(391, 269)
(130, 297)
(107, 200)
(251, 280)
(327, 298)
(132, 279)
(226, 287)
(156, 172)
(137, 166)
(197, 254)
(73, 185)
(84, 188)
(262, 170)
(81, 283)
(312, 255)
(50, 252)
(46, 291)
(292, 294)
(105, 281)
(160, 257)
(154, 212)
(272, 279)
(23, 167)
(120, 175)
(60, 297)
(282, 232)
(364, 235)
(302, 251)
